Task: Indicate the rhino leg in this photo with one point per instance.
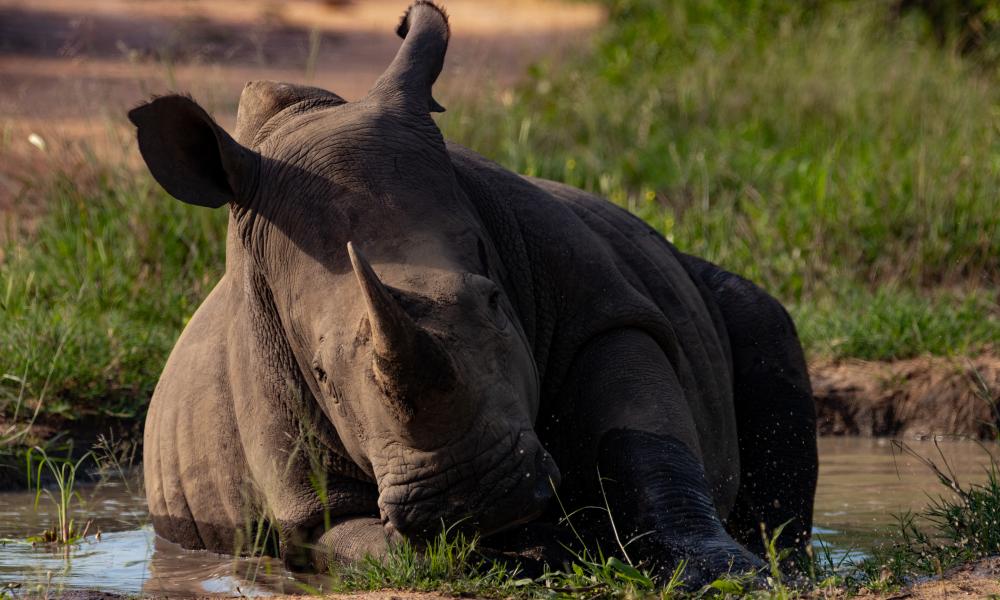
(775, 412)
(350, 540)
(626, 395)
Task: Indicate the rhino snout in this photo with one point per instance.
(487, 504)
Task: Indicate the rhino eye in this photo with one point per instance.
(497, 312)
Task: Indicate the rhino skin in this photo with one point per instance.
(407, 334)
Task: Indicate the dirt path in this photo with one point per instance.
(69, 69)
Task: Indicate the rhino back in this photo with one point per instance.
(584, 266)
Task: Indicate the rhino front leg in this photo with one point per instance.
(350, 540)
(636, 428)
(657, 490)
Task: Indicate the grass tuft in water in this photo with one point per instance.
(63, 472)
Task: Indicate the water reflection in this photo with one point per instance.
(862, 483)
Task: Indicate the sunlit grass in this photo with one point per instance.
(94, 299)
(844, 163)
(848, 166)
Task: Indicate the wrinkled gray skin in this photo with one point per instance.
(408, 334)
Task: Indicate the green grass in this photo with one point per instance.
(65, 531)
(957, 527)
(93, 300)
(849, 165)
(456, 565)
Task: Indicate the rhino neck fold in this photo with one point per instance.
(512, 257)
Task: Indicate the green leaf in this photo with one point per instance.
(727, 586)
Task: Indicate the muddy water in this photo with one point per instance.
(862, 484)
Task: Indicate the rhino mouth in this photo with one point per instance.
(479, 495)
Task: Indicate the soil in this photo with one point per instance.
(978, 580)
(915, 398)
(70, 69)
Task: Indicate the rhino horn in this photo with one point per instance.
(408, 362)
(408, 80)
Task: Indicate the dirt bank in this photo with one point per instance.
(918, 397)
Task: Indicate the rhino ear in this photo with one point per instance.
(193, 158)
(408, 80)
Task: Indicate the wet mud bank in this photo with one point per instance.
(914, 398)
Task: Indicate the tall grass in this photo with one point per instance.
(93, 300)
(847, 164)
(817, 148)
(958, 526)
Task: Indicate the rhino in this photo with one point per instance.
(408, 335)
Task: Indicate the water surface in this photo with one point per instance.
(862, 484)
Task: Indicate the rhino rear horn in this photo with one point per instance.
(408, 363)
(408, 80)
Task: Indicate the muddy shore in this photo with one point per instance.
(914, 398)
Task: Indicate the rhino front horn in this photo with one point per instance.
(408, 80)
(408, 363)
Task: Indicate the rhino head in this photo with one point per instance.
(357, 249)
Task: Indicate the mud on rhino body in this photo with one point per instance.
(408, 334)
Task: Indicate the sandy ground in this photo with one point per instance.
(70, 69)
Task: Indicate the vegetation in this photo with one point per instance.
(455, 564)
(92, 305)
(845, 161)
(841, 159)
(958, 527)
(63, 473)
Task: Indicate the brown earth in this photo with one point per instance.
(978, 580)
(70, 69)
(920, 397)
